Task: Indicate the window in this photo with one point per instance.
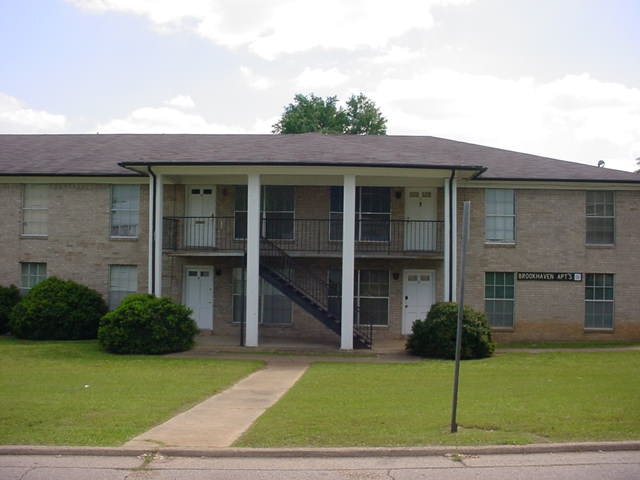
(275, 307)
(371, 296)
(123, 281)
(499, 294)
(31, 274)
(600, 218)
(125, 203)
(278, 212)
(373, 214)
(598, 296)
(500, 220)
(35, 209)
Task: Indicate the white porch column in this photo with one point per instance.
(159, 207)
(348, 260)
(447, 237)
(151, 247)
(454, 239)
(252, 292)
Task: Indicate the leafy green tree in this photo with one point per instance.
(315, 114)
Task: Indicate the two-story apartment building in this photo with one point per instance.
(325, 237)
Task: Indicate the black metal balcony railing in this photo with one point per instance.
(376, 236)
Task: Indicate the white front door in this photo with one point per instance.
(419, 295)
(198, 294)
(200, 227)
(419, 208)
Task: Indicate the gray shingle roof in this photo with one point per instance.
(101, 155)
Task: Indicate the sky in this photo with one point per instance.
(558, 78)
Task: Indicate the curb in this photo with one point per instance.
(324, 452)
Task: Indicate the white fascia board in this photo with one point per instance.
(73, 179)
(547, 185)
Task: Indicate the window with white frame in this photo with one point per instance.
(35, 209)
(599, 303)
(31, 274)
(275, 307)
(123, 281)
(500, 215)
(371, 296)
(277, 212)
(125, 207)
(499, 298)
(600, 213)
(373, 213)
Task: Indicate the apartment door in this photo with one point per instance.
(419, 208)
(200, 226)
(419, 295)
(198, 295)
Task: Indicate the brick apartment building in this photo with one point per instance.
(321, 237)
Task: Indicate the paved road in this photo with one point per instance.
(550, 466)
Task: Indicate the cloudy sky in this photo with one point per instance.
(559, 78)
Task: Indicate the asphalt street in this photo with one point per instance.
(623, 465)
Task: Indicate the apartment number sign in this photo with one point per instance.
(550, 276)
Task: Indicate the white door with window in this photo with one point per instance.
(420, 232)
(198, 295)
(200, 226)
(418, 294)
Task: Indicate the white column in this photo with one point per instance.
(447, 251)
(252, 292)
(348, 260)
(454, 239)
(159, 195)
(151, 247)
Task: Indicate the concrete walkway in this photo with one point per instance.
(221, 419)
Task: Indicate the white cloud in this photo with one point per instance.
(181, 101)
(254, 80)
(575, 117)
(16, 118)
(277, 27)
(163, 120)
(312, 78)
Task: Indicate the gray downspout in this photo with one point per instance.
(450, 233)
(152, 233)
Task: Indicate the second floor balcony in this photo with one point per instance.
(376, 235)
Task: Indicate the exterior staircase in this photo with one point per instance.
(305, 289)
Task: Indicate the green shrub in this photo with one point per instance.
(9, 297)
(435, 337)
(146, 324)
(58, 309)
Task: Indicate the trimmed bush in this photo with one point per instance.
(9, 298)
(145, 324)
(435, 337)
(58, 309)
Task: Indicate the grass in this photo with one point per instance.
(72, 393)
(512, 398)
(572, 344)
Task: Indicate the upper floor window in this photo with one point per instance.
(31, 274)
(35, 209)
(123, 281)
(598, 295)
(277, 212)
(600, 212)
(373, 213)
(500, 215)
(125, 205)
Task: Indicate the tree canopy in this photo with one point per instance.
(309, 113)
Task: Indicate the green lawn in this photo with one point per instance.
(512, 398)
(72, 393)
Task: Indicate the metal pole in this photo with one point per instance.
(463, 254)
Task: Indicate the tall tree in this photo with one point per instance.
(315, 114)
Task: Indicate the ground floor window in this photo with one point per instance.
(499, 298)
(31, 274)
(371, 296)
(598, 297)
(123, 281)
(275, 307)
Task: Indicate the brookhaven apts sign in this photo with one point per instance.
(550, 276)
